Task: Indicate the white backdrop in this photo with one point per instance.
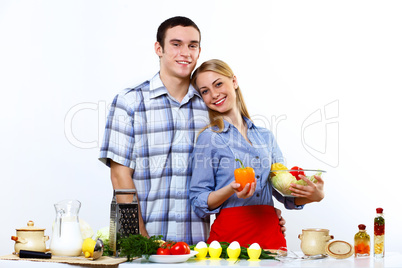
(322, 75)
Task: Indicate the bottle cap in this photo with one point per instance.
(362, 227)
(379, 210)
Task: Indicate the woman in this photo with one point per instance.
(246, 216)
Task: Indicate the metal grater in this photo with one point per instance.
(123, 218)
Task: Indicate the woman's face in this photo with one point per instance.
(218, 91)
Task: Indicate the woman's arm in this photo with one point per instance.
(216, 198)
(313, 192)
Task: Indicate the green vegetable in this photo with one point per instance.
(282, 180)
(103, 234)
(137, 245)
(265, 254)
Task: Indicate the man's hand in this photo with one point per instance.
(122, 178)
(282, 221)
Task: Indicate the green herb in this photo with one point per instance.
(265, 254)
(138, 245)
(107, 251)
(379, 220)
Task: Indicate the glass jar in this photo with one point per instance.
(379, 234)
(362, 242)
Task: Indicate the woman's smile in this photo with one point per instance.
(220, 101)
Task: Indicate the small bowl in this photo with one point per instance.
(281, 179)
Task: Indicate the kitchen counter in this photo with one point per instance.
(392, 259)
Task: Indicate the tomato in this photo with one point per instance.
(163, 251)
(168, 244)
(180, 248)
(296, 171)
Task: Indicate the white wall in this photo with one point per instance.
(323, 75)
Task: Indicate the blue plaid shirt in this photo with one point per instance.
(150, 132)
(213, 162)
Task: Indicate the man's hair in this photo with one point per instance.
(173, 22)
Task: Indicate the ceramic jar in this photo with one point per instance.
(314, 241)
(30, 238)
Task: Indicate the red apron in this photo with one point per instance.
(248, 225)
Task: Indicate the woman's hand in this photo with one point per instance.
(282, 221)
(245, 193)
(313, 192)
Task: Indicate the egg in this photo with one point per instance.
(254, 252)
(201, 244)
(234, 245)
(215, 250)
(202, 250)
(233, 250)
(215, 244)
(255, 246)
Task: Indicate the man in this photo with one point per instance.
(150, 134)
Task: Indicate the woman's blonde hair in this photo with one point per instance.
(221, 68)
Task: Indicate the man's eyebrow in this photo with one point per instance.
(181, 41)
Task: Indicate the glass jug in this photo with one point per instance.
(66, 238)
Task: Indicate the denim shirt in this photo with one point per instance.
(213, 164)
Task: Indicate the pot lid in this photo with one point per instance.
(339, 249)
(30, 227)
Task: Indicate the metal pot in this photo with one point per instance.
(30, 238)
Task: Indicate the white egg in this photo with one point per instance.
(201, 244)
(215, 244)
(234, 245)
(255, 246)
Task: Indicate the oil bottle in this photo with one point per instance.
(362, 242)
(379, 234)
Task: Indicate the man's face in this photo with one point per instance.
(182, 49)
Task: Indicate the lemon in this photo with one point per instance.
(88, 247)
(278, 166)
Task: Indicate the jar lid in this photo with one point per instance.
(339, 249)
(30, 227)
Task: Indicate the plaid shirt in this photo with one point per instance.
(150, 132)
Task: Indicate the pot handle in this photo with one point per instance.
(329, 237)
(45, 238)
(300, 236)
(19, 239)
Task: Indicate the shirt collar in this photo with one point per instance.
(157, 88)
(227, 125)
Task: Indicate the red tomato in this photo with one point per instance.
(296, 171)
(163, 251)
(168, 244)
(180, 248)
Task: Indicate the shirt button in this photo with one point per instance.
(257, 157)
(258, 176)
(258, 195)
